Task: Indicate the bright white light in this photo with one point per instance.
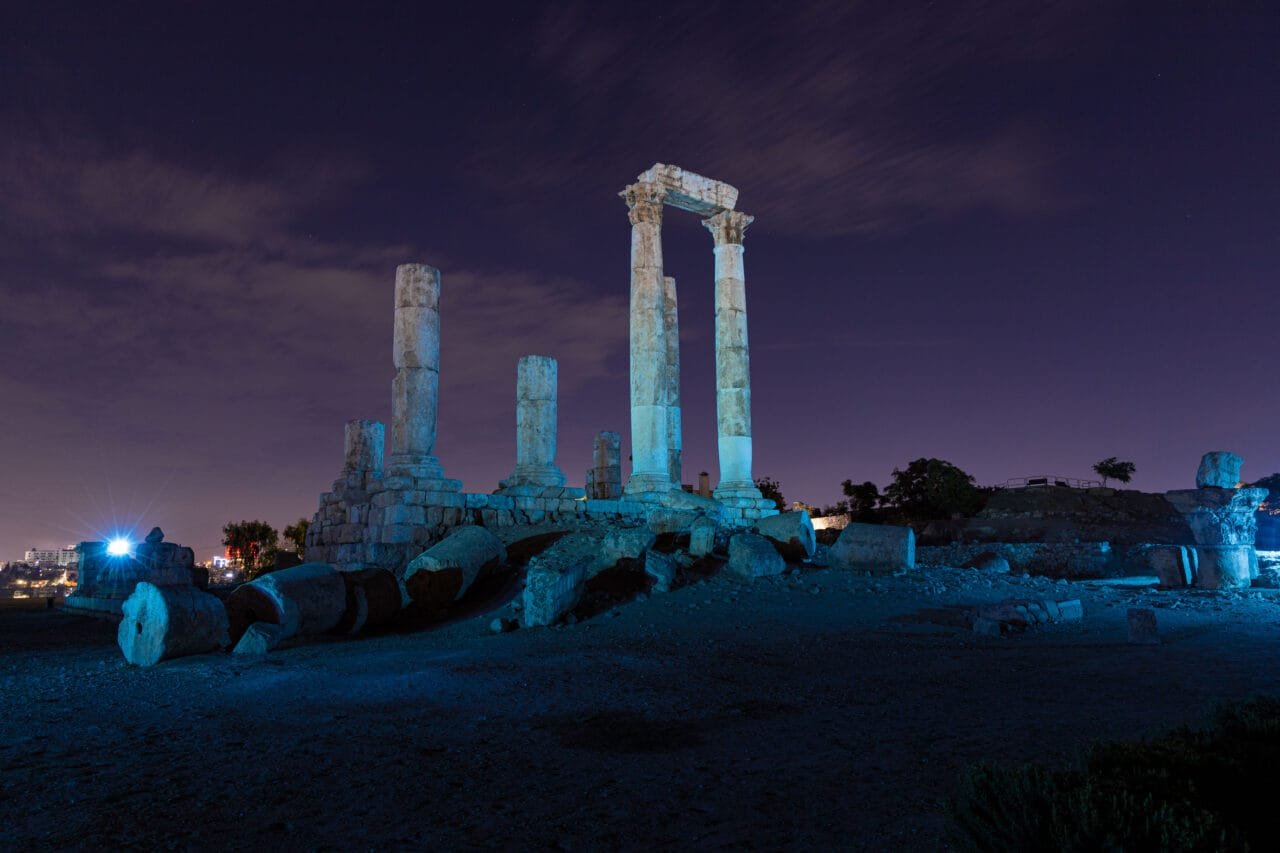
(119, 547)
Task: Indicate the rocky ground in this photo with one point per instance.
(822, 710)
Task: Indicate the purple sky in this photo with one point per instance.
(1017, 240)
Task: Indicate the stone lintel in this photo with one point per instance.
(690, 191)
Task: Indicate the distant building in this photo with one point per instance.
(57, 556)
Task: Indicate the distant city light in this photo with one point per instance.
(119, 547)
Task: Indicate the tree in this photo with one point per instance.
(1113, 469)
(863, 499)
(250, 541)
(772, 489)
(930, 490)
(296, 535)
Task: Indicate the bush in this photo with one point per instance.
(1185, 791)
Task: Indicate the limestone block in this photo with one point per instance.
(702, 537)
(1219, 469)
(753, 556)
(363, 447)
(690, 191)
(669, 520)
(1219, 516)
(792, 534)
(164, 622)
(258, 639)
(397, 534)
(662, 568)
(875, 548)
(446, 570)
(1170, 563)
(554, 581)
(621, 543)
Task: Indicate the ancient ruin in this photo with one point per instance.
(378, 516)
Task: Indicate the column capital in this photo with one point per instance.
(644, 202)
(728, 226)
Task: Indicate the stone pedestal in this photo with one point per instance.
(733, 369)
(604, 480)
(536, 393)
(649, 431)
(1224, 525)
(415, 389)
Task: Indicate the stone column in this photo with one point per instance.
(606, 467)
(649, 459)
(416, 355)
(363, 449)
(671, 330)
(536, 412)
(733, 371)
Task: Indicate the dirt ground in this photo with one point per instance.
(816, 711)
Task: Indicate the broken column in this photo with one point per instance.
(1224, 524)
(605, 477)
(165, 622)
(671, 332)
(733, 371)
(306, 599)
(416, 355)
(649, 457)
(536, 381)
(445, 571)
(363, 443)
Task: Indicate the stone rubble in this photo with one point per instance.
(753, 556)
(792, 533)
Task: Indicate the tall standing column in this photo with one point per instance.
(671, 329)
(536, 412)
(416, 355)
(733, 369)
(649, 460)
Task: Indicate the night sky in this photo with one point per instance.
(1020, 240)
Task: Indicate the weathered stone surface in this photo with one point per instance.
(363, 443)
(1220, 516)
(374, 597)
(622, 543)
(662, 568)
(307, 599)
(536, 414)
(1219, 469)
(792, 533)
(702, 537)
(690, 191)
(1171, 563)
(258, 639)
(1226, 566)
(416, 387)
(753, 556)
(164, 622)
(874, 547)
(671, 332)
(554, 581)
(446, 570)
(605, 477)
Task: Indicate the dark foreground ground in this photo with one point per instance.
(811, 712)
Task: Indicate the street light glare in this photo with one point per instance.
(119, 547)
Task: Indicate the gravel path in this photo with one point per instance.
(819, 711)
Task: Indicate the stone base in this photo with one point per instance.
(548, 476)
(644, 484)
(418, 467)
(738, 491)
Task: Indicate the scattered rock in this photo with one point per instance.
(753, 556)
(988, 561)
(258, 639)
(662, 568)
(702, 537)
(554, 580)
(792, 534)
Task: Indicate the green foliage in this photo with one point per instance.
(929, 490)
(772, 489)
(295, 535)
(863, 499)
(1113, 469)
(1185, 791)
(250, 541)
